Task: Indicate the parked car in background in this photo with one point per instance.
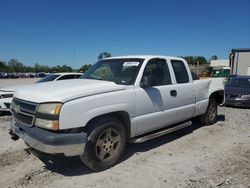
(231, 76)
(59, 76)
(237, 91)
(6, 94)
(3, 75)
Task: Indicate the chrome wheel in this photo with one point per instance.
(108, 144)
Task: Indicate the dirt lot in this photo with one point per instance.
(210, 156)
(10, 82)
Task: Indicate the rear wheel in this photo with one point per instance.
(210, 117)
(105, 145)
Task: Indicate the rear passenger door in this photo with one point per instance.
(184, 99)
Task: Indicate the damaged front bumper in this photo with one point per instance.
(70, 144)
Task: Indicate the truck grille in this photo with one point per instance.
(23, 111)
(7, 105)
(7, 96)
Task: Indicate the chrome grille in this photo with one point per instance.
(23, 111)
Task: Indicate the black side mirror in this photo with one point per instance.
(146, 82)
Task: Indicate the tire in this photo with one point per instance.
(210, 117)
(105, 144)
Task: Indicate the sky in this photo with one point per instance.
(75, 32)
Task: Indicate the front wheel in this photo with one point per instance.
(210, 117)
(106, 143)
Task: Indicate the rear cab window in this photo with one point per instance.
(180, 71)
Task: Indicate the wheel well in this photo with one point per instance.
(218, 96)
(121, 116)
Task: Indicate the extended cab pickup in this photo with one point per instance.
(118, 100)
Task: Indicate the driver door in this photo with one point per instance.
(153, 104)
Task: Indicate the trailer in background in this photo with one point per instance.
(240, 61)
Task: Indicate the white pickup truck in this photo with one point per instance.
(118, 100)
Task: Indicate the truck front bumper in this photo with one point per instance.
(5, 104)
(69, 144)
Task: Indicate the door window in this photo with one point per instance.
(158, 70)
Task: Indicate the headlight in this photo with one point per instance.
(245, 96)
(47, 124)
(47, 116)
(50, 108)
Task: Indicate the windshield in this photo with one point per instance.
(121, 71)
(239, 82)
(48, 78)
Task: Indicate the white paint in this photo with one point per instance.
(148, 109)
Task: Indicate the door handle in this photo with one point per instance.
(173, 93)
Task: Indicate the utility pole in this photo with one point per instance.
(197, 68)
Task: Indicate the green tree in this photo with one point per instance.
(103, 55)
(202, 60)
(3, 66)
(37, 68)
(194, 59)
(63, 68)
(85, 67)
(214, 57)
(15, 66)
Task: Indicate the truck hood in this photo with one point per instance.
(11, 88)
(62, 91)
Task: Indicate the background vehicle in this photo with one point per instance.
(3, 75)
(118, 100)
(231, 76)
(6, 94)
(237, 91)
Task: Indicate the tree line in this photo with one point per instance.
(194, 60)
(14, 65)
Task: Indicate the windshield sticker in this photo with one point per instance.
(131, 64)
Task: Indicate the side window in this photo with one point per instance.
(158, 70)
(66, 77)
(180, 71)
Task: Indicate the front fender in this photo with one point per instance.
(77, 113)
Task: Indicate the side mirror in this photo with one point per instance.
(146, 81)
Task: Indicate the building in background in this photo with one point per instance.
(220, 68)
(240, 61)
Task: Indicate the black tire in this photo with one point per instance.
(210, 117)
(105, 145)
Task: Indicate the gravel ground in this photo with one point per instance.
(195, 157)
(206, 157)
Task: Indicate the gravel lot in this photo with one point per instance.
(209, 156)
(11, 82)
